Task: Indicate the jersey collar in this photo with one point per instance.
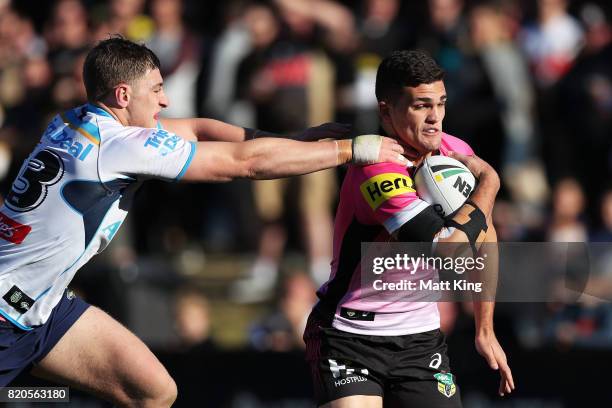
(98, 110)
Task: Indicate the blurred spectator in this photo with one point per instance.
(603, 232)
(568, 203)
(282, 330)
(507, 221)
(490, 30)
(192, 318)
(444, 33)
(178, 52)
(124, 17)
(69, 39)
(581, 325)
(473, 109)
(553, 42)
(381, 31)
(67, 35)
(289, 81)
(584, 110)
(25, 79)
(247, 26)
(69, 90)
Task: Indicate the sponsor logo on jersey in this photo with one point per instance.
(12, 231)
(346, 375)
(163, 141)
(17, 299)
(446, 385)
(378, 189)
(58, 136)
(353, 314)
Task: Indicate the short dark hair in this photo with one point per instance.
(405, 68)
(113, 61)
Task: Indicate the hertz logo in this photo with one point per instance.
(380, 188)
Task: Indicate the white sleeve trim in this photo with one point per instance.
(404, 215)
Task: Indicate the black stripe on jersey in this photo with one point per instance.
(423, 227)
(93, 199)
(349, 258)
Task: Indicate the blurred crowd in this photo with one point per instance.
(529, 86)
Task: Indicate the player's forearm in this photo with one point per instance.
(484, 302)
(268, 158)
(485, 192)
(468, 220)
(483, 316)
(205, 129)
(218, 131)
(215, 130)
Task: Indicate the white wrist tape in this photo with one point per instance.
(366, 149)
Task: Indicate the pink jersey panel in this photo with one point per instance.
(371, 197)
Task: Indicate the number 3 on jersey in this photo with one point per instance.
(30, 187)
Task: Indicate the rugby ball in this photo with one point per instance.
(444, 183)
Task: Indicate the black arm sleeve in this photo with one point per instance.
(421, 228)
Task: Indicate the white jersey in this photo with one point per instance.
(68, 201)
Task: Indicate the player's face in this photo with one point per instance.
(415, 118)
(147, 100)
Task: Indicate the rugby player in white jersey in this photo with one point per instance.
(72, 195)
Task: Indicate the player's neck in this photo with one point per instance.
(118, 114)
(417, 162)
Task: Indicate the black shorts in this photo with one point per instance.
(407, 371)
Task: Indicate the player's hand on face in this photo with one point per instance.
(476, 165)
(488, 347)
(330, 130)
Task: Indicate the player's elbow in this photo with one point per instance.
(250, 169)
(450, 242)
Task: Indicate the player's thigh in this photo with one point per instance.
(356, 401)
(344, 369)
(97, 354)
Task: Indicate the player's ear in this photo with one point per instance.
(384, 111)
(122, 95)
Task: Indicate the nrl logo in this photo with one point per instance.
(446, 385)
(15, 297)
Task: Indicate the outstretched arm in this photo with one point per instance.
(212, 130)
(268, 158)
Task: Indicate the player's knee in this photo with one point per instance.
(171, 392)
(158, 391)
(163, 391)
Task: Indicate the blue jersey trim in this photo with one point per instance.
(188, 162)
(88, 127)
(98, 110)
(45, 292)
(15, 322)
